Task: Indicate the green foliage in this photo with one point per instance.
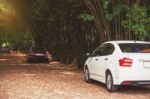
(23, 41)
(3, 8)
(64, 27)
(136, 20)
(2, 39)
(86, 17)
(118, 9)
(111, 13)
(12, 27)
(67, 28)
(108, 15)
(106, 3)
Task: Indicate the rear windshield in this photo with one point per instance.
(135, 47)
(38, 49)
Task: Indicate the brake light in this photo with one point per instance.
(125, 62)
(46, 53)
(126, 83)
(33, 53)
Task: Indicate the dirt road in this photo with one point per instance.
(19, 80)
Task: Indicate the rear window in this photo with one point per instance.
(135, 47)
(38, 49)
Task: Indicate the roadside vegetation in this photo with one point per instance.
(71, 28)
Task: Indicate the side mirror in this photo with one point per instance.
(88, 54)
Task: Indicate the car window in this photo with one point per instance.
(105, 49)
(97, 52)
(135, 47)
(38, 49)
(108, 49)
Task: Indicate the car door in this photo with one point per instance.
(103, 60)
(93, 61)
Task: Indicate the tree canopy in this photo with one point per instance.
(71, 28)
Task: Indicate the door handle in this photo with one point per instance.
(96, 59)
(106, 58)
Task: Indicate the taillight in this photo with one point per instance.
(125, 62)
(126, 83)
(46, 53)
(33, 53)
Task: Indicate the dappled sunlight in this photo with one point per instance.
(7, 14)
(54, 81)
(18, 54)
(25, 86)
(55, 35)
(69, 73)
(3, 59)
(54, 62)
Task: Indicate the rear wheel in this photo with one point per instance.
(109, 83)
(87, 75)
(47, 62)
(28, 61)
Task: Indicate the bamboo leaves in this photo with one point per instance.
(135, 20)
(86, 17)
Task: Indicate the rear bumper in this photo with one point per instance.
(132, 77)
(135, 83)
(38, 59)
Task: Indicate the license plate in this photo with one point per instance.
(39, 54)
(143, 82)
(147, 64)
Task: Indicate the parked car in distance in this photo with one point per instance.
(38, 54)
(117, 63)
(6, 49)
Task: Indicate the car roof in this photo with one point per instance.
(127, 41)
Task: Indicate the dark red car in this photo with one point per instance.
(38, 54)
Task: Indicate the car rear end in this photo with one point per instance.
(39, 54)
(133, 64)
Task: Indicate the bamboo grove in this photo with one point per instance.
(71, 28)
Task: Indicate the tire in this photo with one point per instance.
(47, 62)
(109, 83)
(87, 75)
(27, 61)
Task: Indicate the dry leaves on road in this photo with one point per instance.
(19, 80)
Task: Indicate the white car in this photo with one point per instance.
(119, 63)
